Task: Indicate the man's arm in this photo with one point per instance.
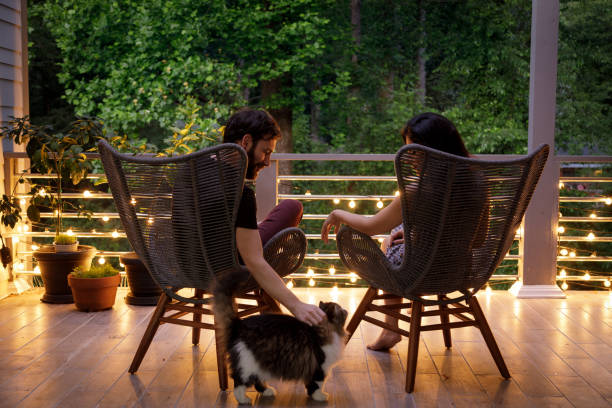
(251, 251)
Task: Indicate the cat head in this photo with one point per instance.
(336, 315)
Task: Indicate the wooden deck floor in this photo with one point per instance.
(558, 351)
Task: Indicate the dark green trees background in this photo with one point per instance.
(339, 75)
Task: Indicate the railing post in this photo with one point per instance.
(538, 244)
(267, 190)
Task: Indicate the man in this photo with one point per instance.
(257, 132)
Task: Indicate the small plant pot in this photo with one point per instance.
(66, 247)
(143, 289)
(93, 294)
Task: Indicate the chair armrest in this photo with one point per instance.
(362, 255)
(285, 251)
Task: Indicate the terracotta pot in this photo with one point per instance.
(143, 289)
(93, 294)
(55, 267)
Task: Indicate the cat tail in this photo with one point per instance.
(223, 306)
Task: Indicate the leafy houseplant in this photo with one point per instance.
(61, 153)
(95, 288)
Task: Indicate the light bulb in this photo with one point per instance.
(69, 233)
(564, 286)
(561, 185)
(572, 254)
(22, 201)
(86, 193)
(591, 236)
(397, 193)
(564, 252)
(310, 272)
(150, 220)
(332, 270)
(379, 204)
(35, 247)
(488, 290)
(608, 201)
(593, 215)
(307, 192)
(290, 284)
(105, 218)
(121, 265)
(15, 240)
(607, 283)
(336, 201)
(381, 240)
(37, 269)
(563, 273)
(115, 234)
(101, 260)
(561, 229)
(19, 266)
(311, 282)
(42, 192)
(586, 276)
(133, 201)
(380, 292)
(352, 204)
(26, 227)
(353, 277)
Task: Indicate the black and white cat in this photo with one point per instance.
(268, 346)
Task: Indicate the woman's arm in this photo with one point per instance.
(382, 222)
(251, 251)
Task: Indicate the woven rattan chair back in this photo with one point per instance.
(179, 212)
(459, 217)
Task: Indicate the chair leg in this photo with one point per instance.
(221, 361)
(488, 336)
(360, 312)
(413, 343)
(446, 333)
(273, 306)
(195, 334)
(149, 333)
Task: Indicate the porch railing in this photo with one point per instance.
(322, 263)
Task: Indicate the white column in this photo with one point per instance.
(537, 276)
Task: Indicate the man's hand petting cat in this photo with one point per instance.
(309, 314)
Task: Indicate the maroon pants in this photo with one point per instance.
(286, 214)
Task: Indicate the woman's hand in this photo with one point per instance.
(332, 222)
(307, 313)
(397, 237)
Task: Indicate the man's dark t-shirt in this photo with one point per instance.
(247, 211)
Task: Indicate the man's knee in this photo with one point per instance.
(293, 210)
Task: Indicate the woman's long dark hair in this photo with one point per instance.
(435, 131)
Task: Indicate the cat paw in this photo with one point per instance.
(269, 392)
(240, 395)
(319, 395)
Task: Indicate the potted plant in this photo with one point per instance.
(95, 288)
(62, 154)
(143, 289)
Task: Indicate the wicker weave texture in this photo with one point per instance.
(459, 217)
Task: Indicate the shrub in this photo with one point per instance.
(95, 271)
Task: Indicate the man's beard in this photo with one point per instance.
(252, 167)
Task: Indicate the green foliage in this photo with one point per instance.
(95, 271)
(65, 239)
(61, 153)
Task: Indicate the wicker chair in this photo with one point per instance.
(179, 215)
(459, 218)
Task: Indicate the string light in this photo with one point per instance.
(560, 229)
(572, 254)
(150, 220)
(591, 236)
(35, 247)
(564, 252)
(290, 284)
(311, 282)
(115, 234)
(121, 265)
(26, 227)
(42, 192)
(22, 201)
(488, 290)
(561, 185)
(353, 277)
(15, 240)
(133, 201)
(105, 218)
(336, 201)
(332, 270)
(381, 240)
(379, 204)
(519, 230)
(563, 273)
(586, 276)
(70, 233)
(607, 283)
(310, 272)
(352, 204)
(564, 285)
(608, 201)
(397, 193)
(593, 215)
(380, 292)
(101, 260)
(86, 193)
(307, 193)
(19, 266)
(37, 269)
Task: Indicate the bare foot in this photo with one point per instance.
(385, 340)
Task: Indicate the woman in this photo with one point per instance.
(427, 129)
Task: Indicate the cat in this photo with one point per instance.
(279, 346)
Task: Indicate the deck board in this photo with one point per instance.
(558, 351)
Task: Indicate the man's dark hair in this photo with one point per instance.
(257, 122)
